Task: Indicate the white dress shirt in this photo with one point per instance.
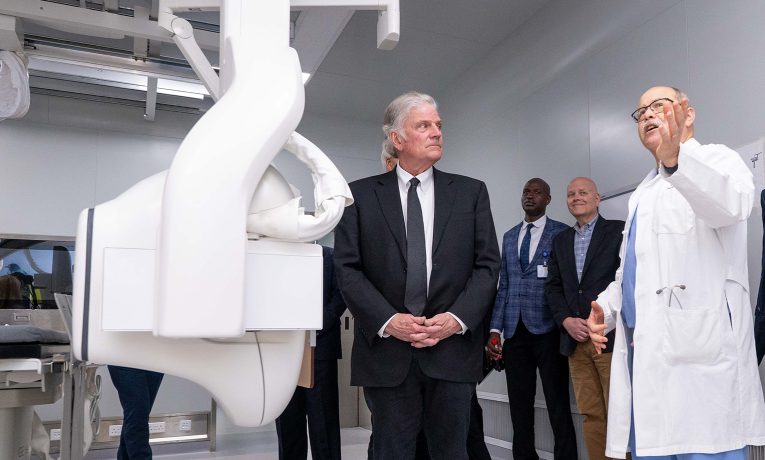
(536, 235)
(426, 194)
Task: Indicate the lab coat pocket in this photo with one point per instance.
(673, 214)
(691, 336)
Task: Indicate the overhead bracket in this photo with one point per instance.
(183, 36)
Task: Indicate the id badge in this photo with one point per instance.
(541, 271)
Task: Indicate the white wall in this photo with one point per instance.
(67, 155)
(553, 100)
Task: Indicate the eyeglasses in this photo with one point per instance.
(656, 106)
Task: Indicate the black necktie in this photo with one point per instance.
(525, 247)
(416, 268)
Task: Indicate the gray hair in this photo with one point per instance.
(679, 93)
(395, 117)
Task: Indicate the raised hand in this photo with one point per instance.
(671, 131)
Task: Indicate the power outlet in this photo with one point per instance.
(115, 431)
(184, 425)
(55, 434)
(157, 427)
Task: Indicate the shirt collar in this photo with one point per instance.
(692, 142)
(589, 224)
(539, 223)
(425, 177)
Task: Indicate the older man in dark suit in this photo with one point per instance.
(531, 336)
(417, 262)
(583, 262)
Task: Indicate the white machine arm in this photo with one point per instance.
(214, 174)
(331, 195)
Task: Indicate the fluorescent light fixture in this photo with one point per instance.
(110, 74)
(181, 88)
(108, 77)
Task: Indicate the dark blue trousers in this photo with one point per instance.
(137, 390)
(319, 406)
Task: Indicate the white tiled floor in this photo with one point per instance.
(260, 446)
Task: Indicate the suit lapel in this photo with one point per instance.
(568, 258)
(390, 202)
(512, 247)
(443, 198)
(595, 242)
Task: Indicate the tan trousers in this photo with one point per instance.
(590, 374)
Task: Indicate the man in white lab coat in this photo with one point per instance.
(684, 380)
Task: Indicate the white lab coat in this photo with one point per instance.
(696, 387)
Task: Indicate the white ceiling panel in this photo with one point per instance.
(440, 40)
(483, 21)
(348, 97)
(421, 57)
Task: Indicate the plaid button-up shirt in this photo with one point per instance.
(581, 243)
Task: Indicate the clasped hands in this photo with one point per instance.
(420, 331)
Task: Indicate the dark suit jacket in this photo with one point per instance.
(565, 294)
(370, 262)
(521, 292)
(328, 338)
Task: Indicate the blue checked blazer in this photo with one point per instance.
(521, 292)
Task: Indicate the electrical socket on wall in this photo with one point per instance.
(115, 430)
(184, 425)
(157, 427)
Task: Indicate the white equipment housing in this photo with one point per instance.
(202, 271)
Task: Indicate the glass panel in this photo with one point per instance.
(33, 270)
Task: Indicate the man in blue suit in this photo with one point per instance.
(532, 338)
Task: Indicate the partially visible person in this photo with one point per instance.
(388, 161)
(531, 336)
(684, 379)
(582, 264)
(10, 292)
(319, 406)
(28, 295)
(137, 389)
(417, 263)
